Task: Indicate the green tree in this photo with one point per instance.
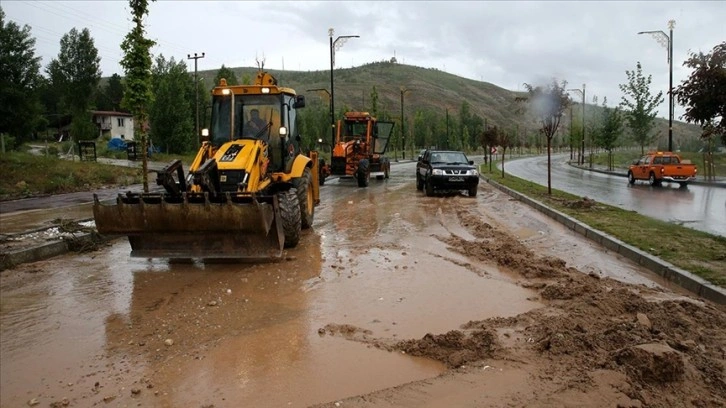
(110, 97)
(227, 74)
(314, 122)
(505, 140)
(137, 87)
(77, 73)
(374, 102)
(488, 139)
(548, 104)
(172, 110)
(609, 130)
(639, 106)
(19, 74)
(704, 92)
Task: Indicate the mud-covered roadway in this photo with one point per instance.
(392, 299)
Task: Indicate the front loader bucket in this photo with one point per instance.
(225, 228)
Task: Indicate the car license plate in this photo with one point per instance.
(458, 179)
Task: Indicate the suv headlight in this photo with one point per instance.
(472, 173)
(437, 172)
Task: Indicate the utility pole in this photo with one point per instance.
(403, 126)
(447, 128)
(196, 93)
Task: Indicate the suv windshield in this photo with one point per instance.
(448, 158)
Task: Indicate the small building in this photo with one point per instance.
(118, 125)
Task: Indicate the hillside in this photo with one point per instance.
(429, 89)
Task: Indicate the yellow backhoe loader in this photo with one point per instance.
(248, 192)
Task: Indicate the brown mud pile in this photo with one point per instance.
(663, 351)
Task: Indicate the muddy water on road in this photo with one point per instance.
(22, 221)
(103, 327)
(97, 327)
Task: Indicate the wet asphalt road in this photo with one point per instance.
(696, 206)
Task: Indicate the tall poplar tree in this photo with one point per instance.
(137, 87)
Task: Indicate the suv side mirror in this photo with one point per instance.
(471, 162)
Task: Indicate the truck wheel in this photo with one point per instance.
(429, 188)
(472, 191)
(652, 180)
(631, 178)
(387, 170)
(304, 190)
(362, 174)
(419, 182)
(290, 215)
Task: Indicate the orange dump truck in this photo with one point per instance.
(657, 167)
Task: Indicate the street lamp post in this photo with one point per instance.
(581, 92)
(403, 126)
(196, 92)
(332, 142)
(667, 41)
(333, 46)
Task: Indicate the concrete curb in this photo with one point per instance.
(45, 250)
(37, 253)
(672, 273)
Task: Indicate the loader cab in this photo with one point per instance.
(263, 112)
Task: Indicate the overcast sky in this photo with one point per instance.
(506, 43)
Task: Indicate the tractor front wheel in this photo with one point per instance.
(362, 174)
(290, 216)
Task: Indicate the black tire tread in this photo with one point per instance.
(303, 187)
(290, 217)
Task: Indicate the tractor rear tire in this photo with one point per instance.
(304, 190)
(362, 174)
(290, 215)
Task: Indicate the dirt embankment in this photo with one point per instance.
(597, 342)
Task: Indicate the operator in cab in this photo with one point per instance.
(254, 126)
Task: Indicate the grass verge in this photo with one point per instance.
(697, 252)
(28, 175)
